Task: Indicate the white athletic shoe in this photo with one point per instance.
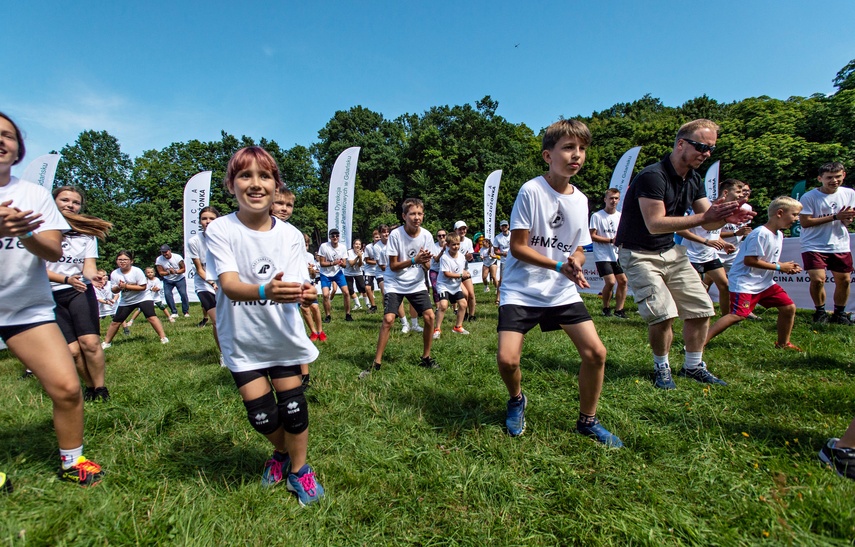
(172, 320)
(486, 289)
(105, 345)
(222, 361)
(417, 328)
(405, 328)
(174, 315)
(436, 334)
(186, 315)
(164, 340)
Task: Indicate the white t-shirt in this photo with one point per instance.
(76, 248)
(311, 261)
(25, 295)
(606, 226)
(329, 254)
(411, 279)
(699, 253)
(260, 333)
(557, 225)
(831, 237)
(727, 258)
(466, 246)
(171, 262)
(487, 255)
(455, 265)
(150, 286)
(382, 258)
(434, 264)
(104, 293)
(134, 277)
(353, 271)
(503, 242)
(763, 244)
(197, 247)
(369, 269)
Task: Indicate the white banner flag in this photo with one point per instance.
(491, 195)
(711, 181)
(42, 171)
(342, 187)
(623, 173)
(197, 195)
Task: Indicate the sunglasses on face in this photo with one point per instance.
(441, 235)
(701, 147)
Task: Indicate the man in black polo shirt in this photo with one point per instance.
(663, 282)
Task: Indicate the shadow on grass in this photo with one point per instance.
(32, 442)
(453, 410)
(215, 458)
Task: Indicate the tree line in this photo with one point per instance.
(444, 155)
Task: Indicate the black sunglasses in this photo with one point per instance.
(441, 235)
(701, 147)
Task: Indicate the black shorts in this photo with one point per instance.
(247, 376)
(208, 300)
(420, 301)
(452, 297)
(704, 267)
(523, 318)
(358, 280)
(369, 283)
(146, 307)
(12, 330)
(77, 313)
(609, 268)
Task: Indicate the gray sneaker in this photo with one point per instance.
(842, 460)
(662, 378)
(700, 374)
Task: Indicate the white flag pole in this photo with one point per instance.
(623, 173)
(42, 170)
(342, 188)
(491, 194)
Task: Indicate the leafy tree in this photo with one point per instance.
(845, 78)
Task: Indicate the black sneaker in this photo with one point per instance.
(348, 317)
(428, 362)
(327, 319)
(621, 314)
(840, 319)
(88, 394)
(841, 459)
(203, 322)
(5, 484)
(819, 316)
(101, 393)
(27, 374)
(472, 318)
(607, 312)
(369, 370)
(372, 309)
(700, 374)
(126, 331)
(83, 473)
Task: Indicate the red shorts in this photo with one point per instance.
(835, 262)
(742, 304)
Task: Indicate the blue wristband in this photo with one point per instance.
(261, 295)
(777, 266)
(558, 267)
(413, 261)
(26, 236)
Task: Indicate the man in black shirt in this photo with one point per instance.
(663, 282)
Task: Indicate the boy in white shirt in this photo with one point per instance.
(408, 253)
(603, 227)
(752, 275)
(452, 273)
(826, 214)
(548, 232)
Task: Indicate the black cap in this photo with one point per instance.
(164, 248)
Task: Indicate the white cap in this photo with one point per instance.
(459, 224)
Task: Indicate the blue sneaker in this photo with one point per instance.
(515, 421)
(303, 484)
(275, 471)
(600, 434)
(700, 374)
(662, 378)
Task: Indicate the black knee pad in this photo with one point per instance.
(263, 413)
(293, 410)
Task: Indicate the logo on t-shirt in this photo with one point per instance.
(263, 268)
(65, 245)
(557, 220)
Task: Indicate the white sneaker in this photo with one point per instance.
(222, 361)
(486, 289)
(105, 345)
(172, 320)
(129, 323)
(174, 315)
(186, 315)
(460, 330)
(164, 340)
(417, 328)
(436, 334)
(405, 328)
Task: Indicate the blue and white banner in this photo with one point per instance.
(491, 196)
(342, 188)
(623, 173)
(711, 181)
(42, 171)
(197, 195)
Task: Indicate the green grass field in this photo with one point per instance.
(414, 456)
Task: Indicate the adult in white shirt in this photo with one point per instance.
(827, 212)
(171, 268)
(502, 243)
(332, 256)
(603, 228)
(467, 249)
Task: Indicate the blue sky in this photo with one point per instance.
(157, 72)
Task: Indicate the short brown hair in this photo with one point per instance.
(410, 202)
(691, 127)
(569, 128)
(452, 238)
(831, 167)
